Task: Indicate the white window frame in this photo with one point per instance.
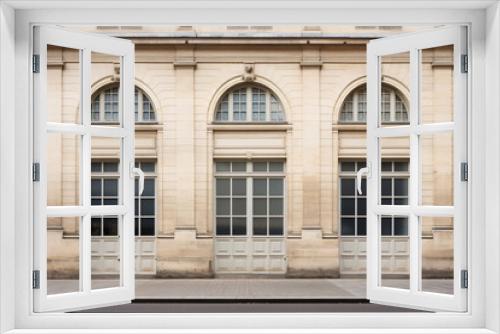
(249, 106)
(15, 26)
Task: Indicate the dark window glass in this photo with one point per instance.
(259, 187)
(239, 187)
(276, 187)
(95, 167)
(386, 226)
(110, 226)
(275, 166)
(96, 201)
(147, 207)
(260, 166)
(96, 187)
(148, 167)
(223, 166)
(361, 226)
(239, 206)
(347, 206)
(361, 164)
(362, 206)
(386, 166)
(149, 187)
(136, 187)
(239, 226)
(136, 226)
(222, 187)
(147, 226)
(386, 201)
(276, 206)
(349, 166)
(401, 187)
(259, 206)
(401, 166)
(110, 201)
(347, 187)
(110, 187)
(259, 226)
(222, 206)
(347, 226)
(110, 166)
(363, 186)
(386, 187)
(400, 226)
(95, 227)
(239, 166)
(275, 226)
(401, 201)
(222, 226)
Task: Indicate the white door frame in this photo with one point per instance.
(86, 44)
(413, 43)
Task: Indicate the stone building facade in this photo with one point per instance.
(250, 146)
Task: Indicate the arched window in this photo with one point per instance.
(393, 106)
(105, 106)
(249, 104)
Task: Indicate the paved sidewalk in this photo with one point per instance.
(254, 288)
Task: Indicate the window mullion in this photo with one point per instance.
(268, 106)
(392, 106)
(230, 109)
(140, 106)
(355, 107)
(249, 106)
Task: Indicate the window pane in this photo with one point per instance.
(362, 206)
(347, 226)
(222, 206)
(222, 187)
(348, 166)
(275, 206)
(276, 166)
(347, 206)
(239, 226)
(277, 114)
(259, 226)
(239, 166)
(259, 187)
(361, 226)
(96, 201)
(260, 166)
(148, 167)
(400, 166)
(96, 187)
(136, 226)
(223, 166)
(401, 187)
(222, 113)
(110, 201)
(222, 226)
(239, 187)
(95, 167)
(258, 105)
(110, 167)
(240, 105)
(110, 226)
(276, 187)
(347, 187)
(149, 187)
(110, 187)
(275, 226)
(95, 226)
(147, 226)
(387, 226)
(386, 166)
(386, 187)
(259, 206)
(239, 206)
(147, 207)
(401, 226)
(401, 201)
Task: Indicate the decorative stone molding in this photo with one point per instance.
(249, 73)
(115, 77)
(185, 64)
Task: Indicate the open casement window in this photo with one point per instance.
(62, 173)
(436, 145)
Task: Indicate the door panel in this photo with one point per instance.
(64, 140)
(426, 67)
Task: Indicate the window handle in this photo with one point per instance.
(138, 172)
(359, 175)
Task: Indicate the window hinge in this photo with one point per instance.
(464, 171)
(36, 63)
(36, 279)
(465, 64)
(36, 172)
(464, 279)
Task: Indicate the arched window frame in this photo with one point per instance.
(249, 111)
(141, 99)
(391, 97)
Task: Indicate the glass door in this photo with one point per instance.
(427, 126)
(65, 140)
